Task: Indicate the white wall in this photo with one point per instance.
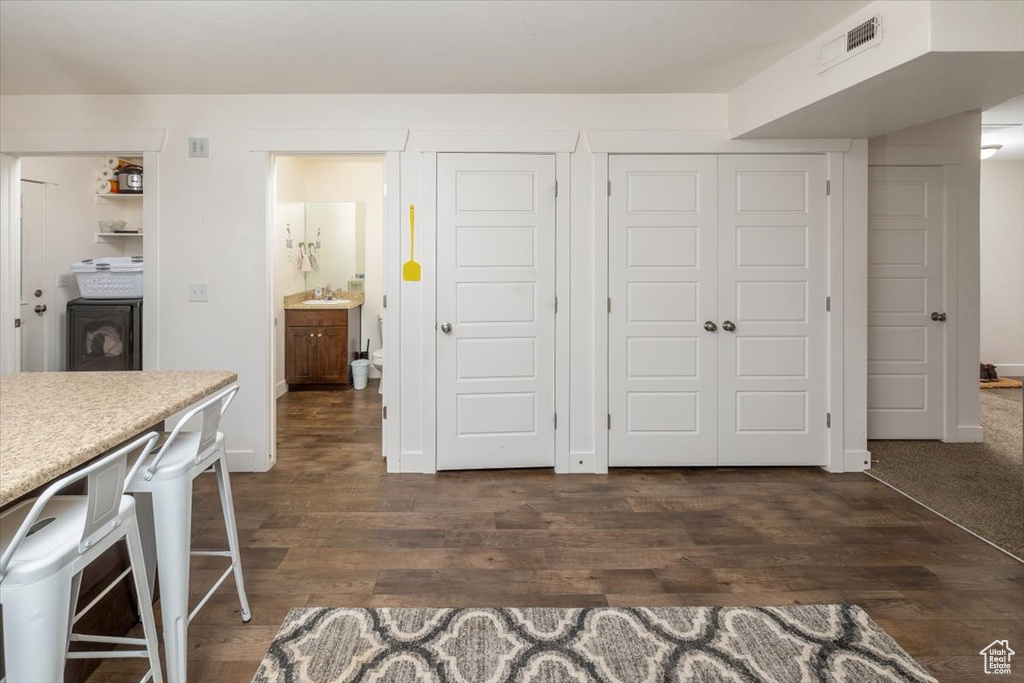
(954, 141)
(206, 211)
(72, 211)
(1002, 265)
(290, 209)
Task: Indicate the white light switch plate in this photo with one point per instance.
(199, 147)
(197, 292)
(63, 280)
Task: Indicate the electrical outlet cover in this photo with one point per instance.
(63, 280)
(197, 292)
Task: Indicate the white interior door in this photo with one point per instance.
(906, 225)
(495, 311)
(661, 279)
(771, 246)
(33, 277)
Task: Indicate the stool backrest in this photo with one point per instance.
(105, 484)
(210, 411)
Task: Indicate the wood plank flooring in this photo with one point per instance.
(328, 527)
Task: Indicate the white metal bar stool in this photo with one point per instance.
(168, 479)
(47, 542)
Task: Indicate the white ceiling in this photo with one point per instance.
(489, 46)
(1003, 125)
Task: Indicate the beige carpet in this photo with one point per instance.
(978, 485)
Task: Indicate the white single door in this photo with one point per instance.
(495, 311)
(906, 225)
(661, 281)
(772, 318)
(34, 312)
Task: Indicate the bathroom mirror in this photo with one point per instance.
(341, 227)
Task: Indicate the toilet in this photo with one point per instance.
(377, 357)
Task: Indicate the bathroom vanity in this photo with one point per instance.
(321, 338)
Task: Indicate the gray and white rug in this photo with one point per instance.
(547, 645)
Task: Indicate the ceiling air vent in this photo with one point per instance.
(852, 42)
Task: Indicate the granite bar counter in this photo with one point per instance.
(53, 422)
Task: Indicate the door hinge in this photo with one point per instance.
(385, 301)
(609, 304)
(609, 188)
(17, 322)
(556, 304)
(384, 412)
(609, 420)
(556, 188)
(828, 420)
(828, 304)
(556, 420)
(828, 187)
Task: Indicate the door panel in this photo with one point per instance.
(34, 337)
(300, 359)
(661, 279)
(496, 288)
(771, 286)
(332, 352)
(906, 225)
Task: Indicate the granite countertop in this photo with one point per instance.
(293, 302)
(52, 422)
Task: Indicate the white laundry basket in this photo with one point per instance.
(360, 372)
(116, 277)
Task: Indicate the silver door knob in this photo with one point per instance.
(40, 309)
(729, 326)
(710, 326)
(939, 317)
(446, 328)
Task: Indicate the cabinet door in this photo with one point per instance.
(300, 363)
(332, 349)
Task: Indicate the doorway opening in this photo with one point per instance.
(327, 274)
(80, 224)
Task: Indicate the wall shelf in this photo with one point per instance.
(101, 236)
(119, 196)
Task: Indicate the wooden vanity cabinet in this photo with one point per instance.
(316, 347)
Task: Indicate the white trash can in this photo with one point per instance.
(360, 373)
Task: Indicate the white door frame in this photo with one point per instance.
(264, 145)
(949, 159)
(846, 170)
(23, 143)
(560, 143)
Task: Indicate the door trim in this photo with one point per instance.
(844, 356)
(530, 142)
(264, 146)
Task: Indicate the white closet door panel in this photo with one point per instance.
(772, 287)
(496, 287)
(906, 224)
(661, 275)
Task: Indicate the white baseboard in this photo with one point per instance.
(969, 434)
(1010, 369)
(856, 461)
(244, 461)
(281, 389)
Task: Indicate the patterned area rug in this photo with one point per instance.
(546, 645)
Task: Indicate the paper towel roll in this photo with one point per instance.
(108, 174)
(116, 163)
(103, 186)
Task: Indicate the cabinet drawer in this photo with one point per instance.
(321, 318)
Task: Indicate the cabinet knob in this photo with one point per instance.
(710, 326)
(939, 317)
(311, 334)
(446, 328)
(319, 335)
(729, 326)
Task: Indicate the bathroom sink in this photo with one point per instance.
(328, 302)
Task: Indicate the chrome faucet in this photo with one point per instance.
(328, 292)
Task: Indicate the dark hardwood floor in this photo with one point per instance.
(328, 527)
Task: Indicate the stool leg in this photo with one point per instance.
(144, 597)
(36, 628)
(172, 506)
(228, 506)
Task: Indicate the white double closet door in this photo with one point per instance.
(717, 321)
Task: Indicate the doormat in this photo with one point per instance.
(592, 645)
(1002, 383)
